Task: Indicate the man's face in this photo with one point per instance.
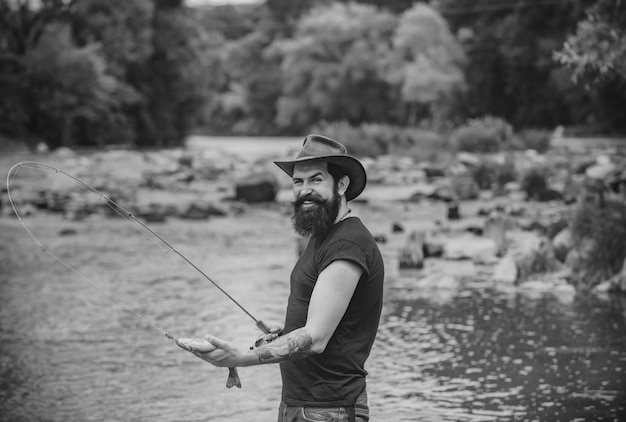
(316, 199)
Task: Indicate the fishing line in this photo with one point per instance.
(126, 215)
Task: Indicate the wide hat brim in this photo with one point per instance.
(353, 168)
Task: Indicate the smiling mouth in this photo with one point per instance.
(309, 204)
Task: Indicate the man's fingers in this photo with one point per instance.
(217, 343)
(196, 345)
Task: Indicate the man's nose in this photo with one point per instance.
(306, 189)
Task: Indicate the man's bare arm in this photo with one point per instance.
(296, 344)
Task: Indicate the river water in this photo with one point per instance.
(88, 345)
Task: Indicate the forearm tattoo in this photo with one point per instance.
(297, 344)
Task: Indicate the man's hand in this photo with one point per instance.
(272, 334)
(203, 347)
(213, 350)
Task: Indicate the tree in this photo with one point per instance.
(162, 54)
(67, 84)
(333, 67)
(247, 105)
(178, 79)
(427, 64)
(510, 71)
(596, 54)
(21, 28)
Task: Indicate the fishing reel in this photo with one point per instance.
(268, 336)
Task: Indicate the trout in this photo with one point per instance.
(203, 346)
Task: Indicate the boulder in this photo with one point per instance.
(562, 243)
(202, 210)
(538, 261)
(257, 187)
(478, 249)
(495, 229)
(411, 256)
(506, 270)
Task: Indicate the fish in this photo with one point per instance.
(204, 346)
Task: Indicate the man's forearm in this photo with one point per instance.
(294, 345)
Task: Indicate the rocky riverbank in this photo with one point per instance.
(431, 218)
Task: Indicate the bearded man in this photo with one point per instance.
(335, 300)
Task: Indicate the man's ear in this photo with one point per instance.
(343, 184)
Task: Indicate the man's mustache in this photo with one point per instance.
(309, 197)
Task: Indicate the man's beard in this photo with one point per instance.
(318, 220)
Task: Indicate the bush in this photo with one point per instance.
(354, 138)
(490, 174)
(605, 226)
(534, 183)
(536, 139)
(372, 140)
(488, 134)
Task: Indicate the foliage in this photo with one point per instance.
(489, 174)
(534, 182)
(21, 28)
(510, 71)
(598, 48)
(122, 28)
(605, 227)
(331, 68)
(426, 63)
(371, 140)
(96, 72)
(247, 102)
(177, 78)
(148, 72)
(488, 134)
(596, 54)
(536, 139)
(70, 84)
(230, 21)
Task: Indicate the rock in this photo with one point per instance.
(68, 231)
(431, 171)
(538, 261)
(443, 193)
(506, 270)
(465, 187)
(453, 211)
(470, 247)
(495, 229)
(438, 281)
(562, 243)
(259, 187)
(577, 256)
(380, 238)
(433, 248)
(154, 213)
(397, 228)
(64, 153)
(600, 171)
(548, 194)
(411, 256)
(202, 210)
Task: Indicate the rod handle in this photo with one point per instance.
(264, 328)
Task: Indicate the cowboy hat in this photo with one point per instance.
(321, 148)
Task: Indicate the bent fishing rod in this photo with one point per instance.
(126, 215)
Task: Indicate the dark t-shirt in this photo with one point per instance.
(337, 376)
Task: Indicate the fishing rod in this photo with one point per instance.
(143, 228)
